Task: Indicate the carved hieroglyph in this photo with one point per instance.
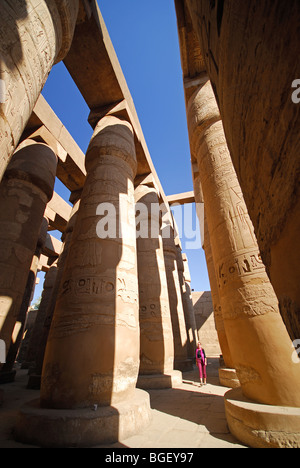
(34, 34)
(92, 354)
(157, 348)
(26, 188)
(259, 344)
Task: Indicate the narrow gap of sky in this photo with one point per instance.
(144, 35)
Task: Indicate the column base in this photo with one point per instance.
(7, 377)
(184, 365)
(34, 381)
(87, 427)
(262, 426)
(228, 377)
(156, 381)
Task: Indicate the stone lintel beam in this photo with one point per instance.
(181, 198)
(43, 263)
(58, 212)
(105, 89)
(146, 179)
(52, 246)
(45, 126)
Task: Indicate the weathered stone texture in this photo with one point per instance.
(24, 192)
(157, 348)
(249, 306)
(252, 59)
(92, 354)
(33, 36)
(181, 361)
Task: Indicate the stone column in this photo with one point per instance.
(227, 373)
(259, 343)
(47, 306)
(26, 188)
(33, 36)
(32, 350)
(261, 121)
(156, 335)
(211, 274)
(88, 388)
(7, 373)
(181, 360)
(188, 299)
(187, 303)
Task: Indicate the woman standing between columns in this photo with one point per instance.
(201, 362)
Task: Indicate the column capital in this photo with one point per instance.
(112, 136)
(67, 11)
(35, 163)
(202, 112)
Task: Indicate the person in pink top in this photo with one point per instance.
(201, 362)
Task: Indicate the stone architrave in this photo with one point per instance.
(26, 188)
(92, 354)
(34, 34)
(181, 359)
(156, 335)
(259, 343)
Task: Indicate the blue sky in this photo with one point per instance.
(144, 35)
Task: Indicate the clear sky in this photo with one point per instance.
(144, 35)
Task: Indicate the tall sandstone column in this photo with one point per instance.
(227, 373)
(32, 350)
(261, 121)
(34, 34)
(52, 283)
(259, 343)
(212, 274)
(187, 302)
(156, 335)
(7, 373)
(26, 188)
(181, 359)
(92, 354)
